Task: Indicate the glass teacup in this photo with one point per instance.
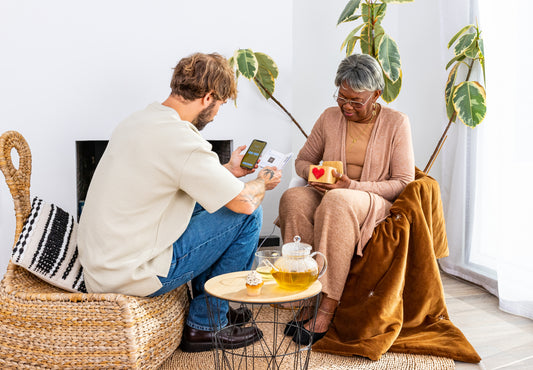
(264, 261)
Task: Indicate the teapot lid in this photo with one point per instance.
(296, 249)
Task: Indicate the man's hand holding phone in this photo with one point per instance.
(254, 191)
(234, 164)
(251, 157)
(244, 164)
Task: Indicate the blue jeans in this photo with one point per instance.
(213, 244)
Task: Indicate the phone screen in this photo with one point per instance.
(252, 154)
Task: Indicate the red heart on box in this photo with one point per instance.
(318, 172)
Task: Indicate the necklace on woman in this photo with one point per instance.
(366, 128)
(364, 125)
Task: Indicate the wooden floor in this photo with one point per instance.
(503, 341)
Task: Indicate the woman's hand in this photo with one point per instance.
(234, 164)
(343, 182)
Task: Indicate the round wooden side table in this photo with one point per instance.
(271, 310)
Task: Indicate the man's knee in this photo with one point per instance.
(257, 217)
(253, 222)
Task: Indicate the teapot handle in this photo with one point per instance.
(325, 263)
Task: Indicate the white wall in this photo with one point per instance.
(316, 56)
(71, 70)
(416, 28)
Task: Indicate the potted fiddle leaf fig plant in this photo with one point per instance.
(263, 71)
(465, 100)
(374, 40)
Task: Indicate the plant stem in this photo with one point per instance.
(444, 136)
(439, 145)
(280, 105)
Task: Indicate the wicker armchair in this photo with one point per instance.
(45, 327)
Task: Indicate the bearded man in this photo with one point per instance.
(161, 210)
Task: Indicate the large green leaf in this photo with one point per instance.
(457, 58)
(348, 11)
(461, 31)
(448, 91)
(389, 57)
(392, 90)
(366, 40)
(464, 43)
(353, 18)
(246, 62)
(351, 45)
(267, 63)
(265, 78)
(351, 39)
(469, 103)
(266, 74)
(473, 51)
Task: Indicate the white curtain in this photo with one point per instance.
(488, 170)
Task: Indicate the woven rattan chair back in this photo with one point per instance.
(18, 180)
(46, 327)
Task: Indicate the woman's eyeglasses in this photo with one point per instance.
(355, 104)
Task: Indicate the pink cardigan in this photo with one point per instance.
(389, 162)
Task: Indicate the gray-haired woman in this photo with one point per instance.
(374, 144)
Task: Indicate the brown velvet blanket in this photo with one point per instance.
(393, 299)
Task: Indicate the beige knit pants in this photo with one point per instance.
(330, 223)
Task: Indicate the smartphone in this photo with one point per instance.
(252, 154)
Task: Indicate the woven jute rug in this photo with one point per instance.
(318, 360)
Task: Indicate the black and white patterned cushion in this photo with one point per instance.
(47, 247)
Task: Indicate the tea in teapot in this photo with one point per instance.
(295, 280)
(296, 269)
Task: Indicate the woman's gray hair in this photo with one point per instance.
(360, 72)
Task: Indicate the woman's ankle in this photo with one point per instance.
(328, 306)
(305, 313)
(320, 324)
(325, 313)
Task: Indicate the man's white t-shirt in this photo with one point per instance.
(141, 198)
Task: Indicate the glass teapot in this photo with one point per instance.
(296, 269)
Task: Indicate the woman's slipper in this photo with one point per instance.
(305, 337)
(293, 325)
